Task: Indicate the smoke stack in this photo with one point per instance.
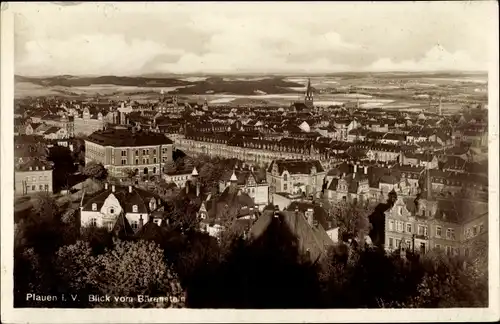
(130, 189)
(113, 188)
(106, 186)
(366, 170)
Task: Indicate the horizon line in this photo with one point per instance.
(151, 74)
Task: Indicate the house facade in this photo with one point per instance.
(105, 208)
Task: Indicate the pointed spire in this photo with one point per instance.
(195, 172)
(233, 177)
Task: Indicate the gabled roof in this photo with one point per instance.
(127, 200)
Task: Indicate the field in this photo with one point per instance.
(412, 91)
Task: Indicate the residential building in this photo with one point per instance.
(105, 208)
(33, 176)
(296, 176)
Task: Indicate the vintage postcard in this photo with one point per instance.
(249, 162)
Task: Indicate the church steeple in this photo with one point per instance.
(309, 97)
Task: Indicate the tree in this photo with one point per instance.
(73, 265)
(130, 174)
(170, 166)
(136, 269)
(351, 218)
(95, 170)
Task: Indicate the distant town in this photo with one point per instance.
(176, 168)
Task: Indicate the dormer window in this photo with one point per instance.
(134, 209)
(94, 207)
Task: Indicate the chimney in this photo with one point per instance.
(141, 222)
(130, 189)
(113, 188)
(366, 170)
(106, 186)
(355, 168)
(197, 189)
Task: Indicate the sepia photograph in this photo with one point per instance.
(256, 157)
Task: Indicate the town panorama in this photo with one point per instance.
(313, 157)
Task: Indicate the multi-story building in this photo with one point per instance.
(295, 176)
(88, 124)
(119, 149)
(33, 176)
(444, 224)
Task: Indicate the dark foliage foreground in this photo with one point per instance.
(52, 257)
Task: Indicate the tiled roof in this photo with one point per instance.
(309, 239)
(138, 197)
(124, 137)
(296, 166)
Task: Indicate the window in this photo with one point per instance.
(124, 153)
(134, 208)
(40, 178)
(391, 225)
(408, 228)
(481, 228)
(391, 242)
(400, 226)
(408, 244)
(438, 231)
(41, 187)
(143, 152)
(154, 160)
(474, 230)
(136, 161)
(111, 210)
(33, 188)
(46, 187)
(438, 246)
(420, 230)
(154, 152)
(124, 162)
(398, 243)
(147, 152)
(450, 234)
(94, 207)
(285, 187)
(136, 152)
(448, 250)
(93, 222)
(134, 225)
(422, 247)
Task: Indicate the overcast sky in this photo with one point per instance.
(130, 38)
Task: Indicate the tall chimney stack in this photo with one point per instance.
(130, 189)
(355, 168)
(366, 170)
(113, 188)
(106, 186)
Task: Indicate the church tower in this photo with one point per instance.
(309, 98)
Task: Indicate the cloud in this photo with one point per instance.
(436, 59)
(126, 38)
